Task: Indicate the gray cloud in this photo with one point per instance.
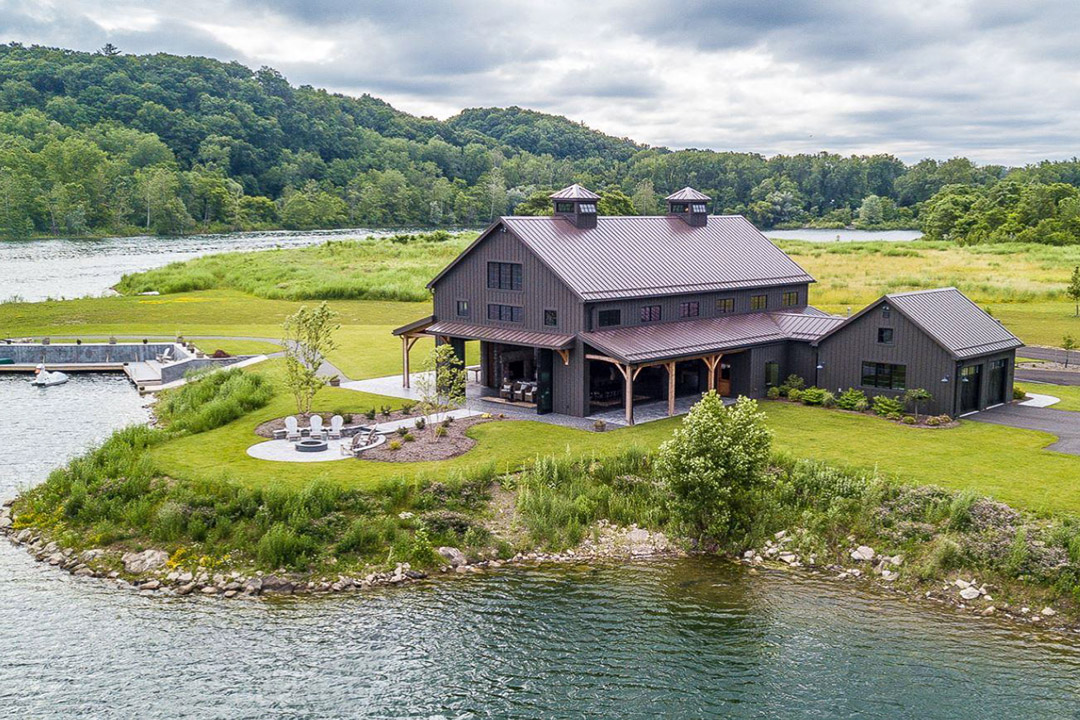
(992, 79)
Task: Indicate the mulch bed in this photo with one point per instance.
(426, 446)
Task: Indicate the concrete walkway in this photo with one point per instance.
(1063, 423)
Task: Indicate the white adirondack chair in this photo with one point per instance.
(292, 429)
(316, 426)
(336, 423)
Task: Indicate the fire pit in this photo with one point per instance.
(311, 445)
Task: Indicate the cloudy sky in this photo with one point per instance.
(998, 81)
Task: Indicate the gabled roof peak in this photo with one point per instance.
(574, 192)
(687, 194)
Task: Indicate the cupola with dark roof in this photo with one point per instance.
(690, 205)
(576, 204)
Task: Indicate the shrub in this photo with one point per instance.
(794, 382)
(850, 399)
(714, 466)
(420, 423)
(886, 406)
(386, 410)
(407, 406)
(812, 396)
(908, 420)
(408, 437)
(370, 414)
(347, 418)
(794, 394)
(933, 421)
(402, 431)
(895, 416)
(829, 400)
(1019, 393)
(862, 405)
(441, 431)
(394, 445)
(772, 393)
(599, 426)
(281, 547)
(214, 400)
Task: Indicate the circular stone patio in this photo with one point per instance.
(285, 451)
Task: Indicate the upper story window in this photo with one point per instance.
(565, 207)
(504, 276)
(678, 207)
(463, 308)
(609, 318)
(689, 309)
(650, 313)
(884, 335)
(759, 302)
(587, 209)
(789, 298)
(886, 311)
(551, 318)
(697, 208)
(505, 313)
(725, 305)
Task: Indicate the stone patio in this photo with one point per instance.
(644, 412)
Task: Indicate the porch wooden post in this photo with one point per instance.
(670, 388)
(404, 361)
(628, 373)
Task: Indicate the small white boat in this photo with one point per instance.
(45, 378)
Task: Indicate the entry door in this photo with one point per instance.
(997, 380)
(970, 388)
(545, 398)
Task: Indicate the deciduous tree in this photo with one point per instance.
(309, 338)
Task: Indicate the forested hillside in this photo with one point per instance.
(103, 143)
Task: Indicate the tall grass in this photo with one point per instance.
(396, 269)
(213, 400)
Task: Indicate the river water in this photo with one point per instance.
(682, 639)
(33, 270)
(842, 235)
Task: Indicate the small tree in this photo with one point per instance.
(915, 397)
(442, 384)
(309, 338)
(714, 465)
(1068, 344)
(1073, 290)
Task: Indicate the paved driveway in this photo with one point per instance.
(1063, 423)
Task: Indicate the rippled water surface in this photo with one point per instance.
(842, 235)
(678, 639)
(33, 270)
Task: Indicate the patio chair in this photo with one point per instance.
(164, 357)
(529, 394)
(506, 390)
(336, 424)
(316, 426)
(519, 391)
(292, 429)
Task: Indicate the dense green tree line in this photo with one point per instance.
(98, 143)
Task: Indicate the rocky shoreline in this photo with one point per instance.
(150, 572)
(964, 594)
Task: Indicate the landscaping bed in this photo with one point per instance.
(415, 445)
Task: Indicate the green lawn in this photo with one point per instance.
(1069, 394)
(1006, 463)
(237, 347)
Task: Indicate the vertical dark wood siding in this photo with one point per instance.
(843, 353)
(669, 305)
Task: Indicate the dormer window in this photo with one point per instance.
(690, 206)
(564, 207)
(576, 204)
(678, 208)
(698, 208)
(587, 208)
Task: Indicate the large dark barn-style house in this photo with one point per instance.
(580, 314)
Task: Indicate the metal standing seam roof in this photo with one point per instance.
(668, 341)
(495, 333)
(574, 192)
(687, 194)
(958, 324)
(952, 320)
(635, 256)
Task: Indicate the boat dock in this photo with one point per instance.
(150, 366)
